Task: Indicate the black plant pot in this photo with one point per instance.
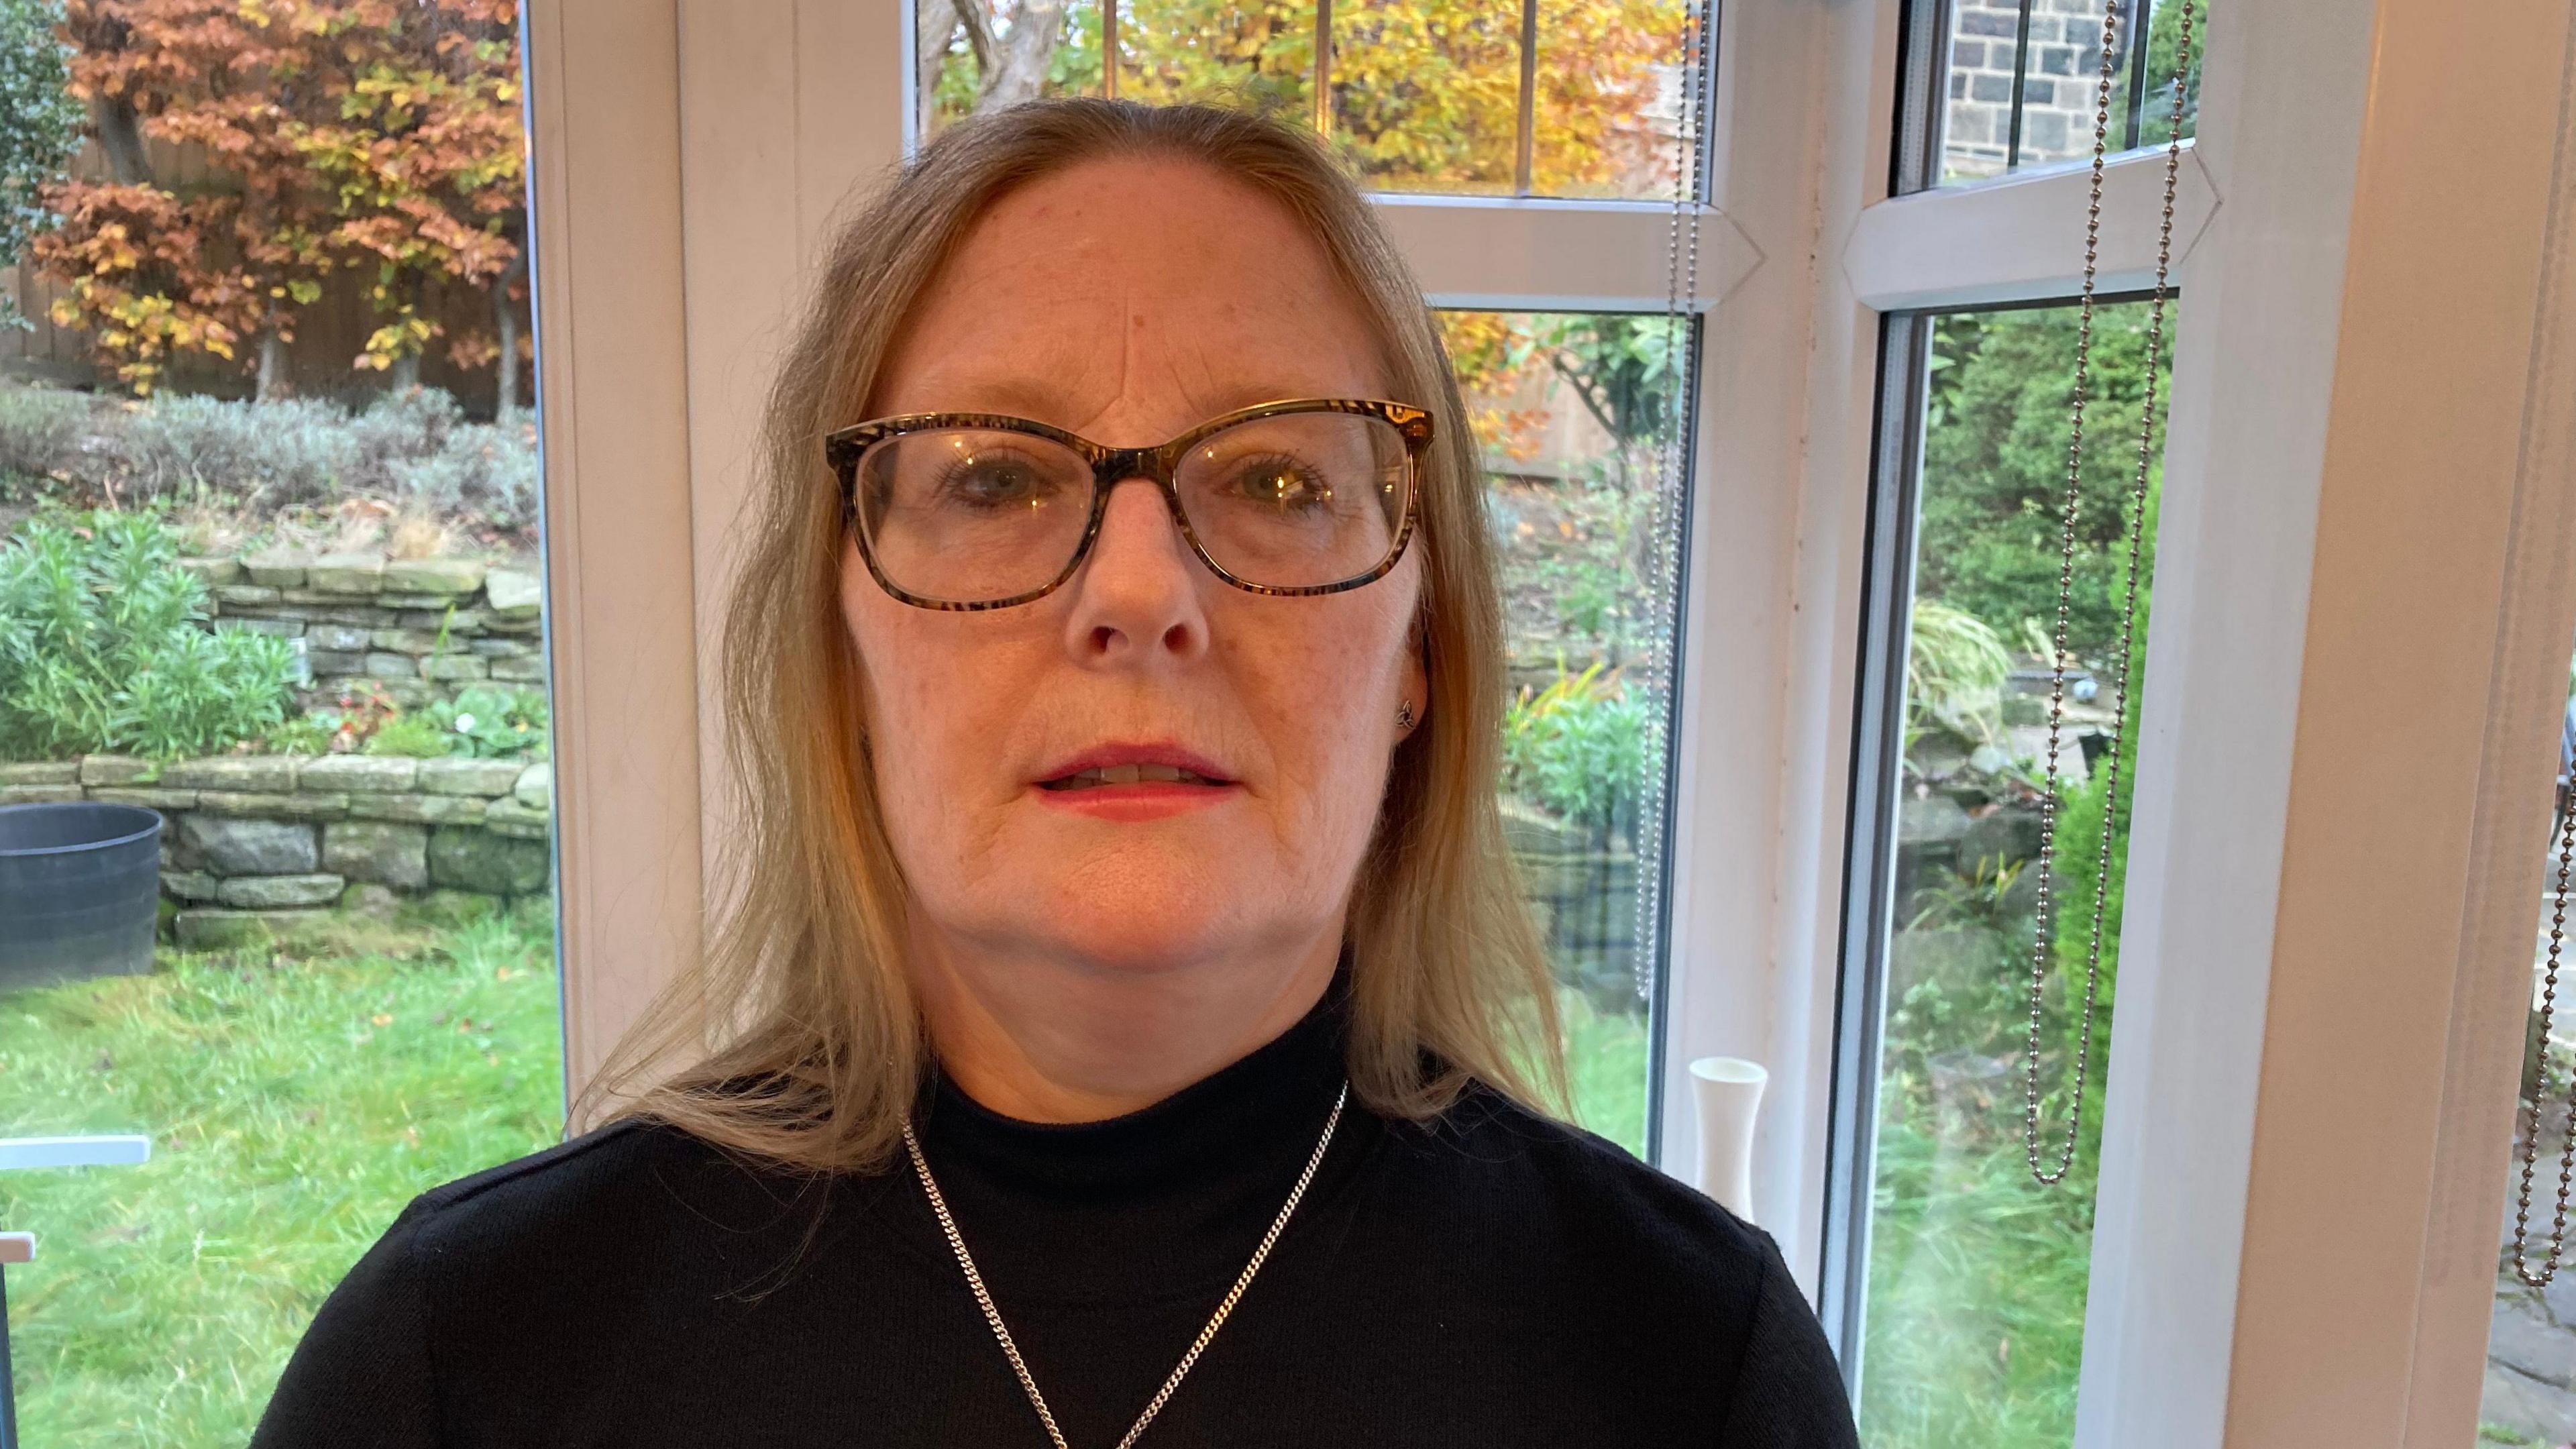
(80, 891)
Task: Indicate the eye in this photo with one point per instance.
(1281, 483)
(996, 479)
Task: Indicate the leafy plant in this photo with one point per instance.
(416, 736)
(101, 647)
(1578, 747)
(1979, 897)
(1955, 668)
(491, 721)
(304, 734)
(39, 125)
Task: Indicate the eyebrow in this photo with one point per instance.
(1026, 397)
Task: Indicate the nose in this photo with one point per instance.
(1137, 600)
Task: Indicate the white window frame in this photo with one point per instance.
(688, 154)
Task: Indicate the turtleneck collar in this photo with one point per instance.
(1240, 1115)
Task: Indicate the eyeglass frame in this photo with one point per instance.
(843, 447)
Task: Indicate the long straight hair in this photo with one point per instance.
(795, 1033)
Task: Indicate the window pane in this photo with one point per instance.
(2530, 1396)
(2054, 48)
(290, 652)
(1568, 408)
(1974, 1314)
(1426, 94)
(1610, 89)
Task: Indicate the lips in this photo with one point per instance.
(1133, 764)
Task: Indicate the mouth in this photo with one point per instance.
(1098, 776)
(1135, 782)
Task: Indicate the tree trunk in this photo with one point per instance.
(505, 325)
(120, 134)
(1018, 69)
(274, 382)
(405, 373)
(933, 25)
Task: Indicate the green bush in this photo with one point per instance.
(40, 431)
(415, 736)
(1577, 748)
(39, 124)
(101, 647)
(490, 721)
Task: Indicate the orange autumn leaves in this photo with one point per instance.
(382, 135)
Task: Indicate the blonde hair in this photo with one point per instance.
(807, 1043)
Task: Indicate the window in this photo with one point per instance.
(2023, 80)
(1971, 1274)
(322, 650)
(2530, 1390)
(1570, 409)
(1543, 98)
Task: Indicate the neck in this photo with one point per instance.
(1046, 1038)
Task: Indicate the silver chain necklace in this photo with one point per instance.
(1011, 1350)
(2043, 927)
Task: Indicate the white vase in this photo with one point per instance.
(1728, 1091)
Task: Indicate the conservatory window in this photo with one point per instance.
(1539, 98)
(1969, 1273)
(2022, 80)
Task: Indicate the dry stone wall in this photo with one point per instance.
(422, 627)
(268, 843)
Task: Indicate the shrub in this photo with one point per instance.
(40, 431)
(39, 124)
(1955, 668)
(101, 649)
(414, 735)
(479, 469)
(1577, 747)
(490, 722)
(278, 454)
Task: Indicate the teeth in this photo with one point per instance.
(1130, 775)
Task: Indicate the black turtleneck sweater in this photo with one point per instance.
(1491, 1279)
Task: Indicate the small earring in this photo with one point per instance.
(1404, 714)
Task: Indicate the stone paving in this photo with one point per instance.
(2531, 1365)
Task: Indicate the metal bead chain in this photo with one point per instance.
(1011, 1350)
(2043, 931)
(1681, 271)
(2530, 1154)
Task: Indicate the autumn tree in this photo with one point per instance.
(380, 133)
(425, 158)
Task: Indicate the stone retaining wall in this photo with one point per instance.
(364, 616)
(269, 842)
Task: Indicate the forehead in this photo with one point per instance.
(1142, 293)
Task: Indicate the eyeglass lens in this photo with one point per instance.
(971, 515)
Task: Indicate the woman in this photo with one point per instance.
(1126, 1019)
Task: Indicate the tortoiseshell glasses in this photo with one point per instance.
(982, 511)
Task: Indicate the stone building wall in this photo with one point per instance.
(2058, 83)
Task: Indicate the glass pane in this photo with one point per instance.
(277, 668)
(2530, 1393)
(1974, 1319)
(1425, 93)
(975, 55)
(1610, 89)
(2054, 48)
(1568, 408)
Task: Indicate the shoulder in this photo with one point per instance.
(1545, 1182)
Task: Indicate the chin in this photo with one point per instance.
(1149, 909)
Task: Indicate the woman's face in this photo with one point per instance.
(1128, 300)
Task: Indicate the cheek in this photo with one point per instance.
(926, 699)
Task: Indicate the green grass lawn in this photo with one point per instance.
(295, 1104)
(1605, 1062)
(1977, 1275)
